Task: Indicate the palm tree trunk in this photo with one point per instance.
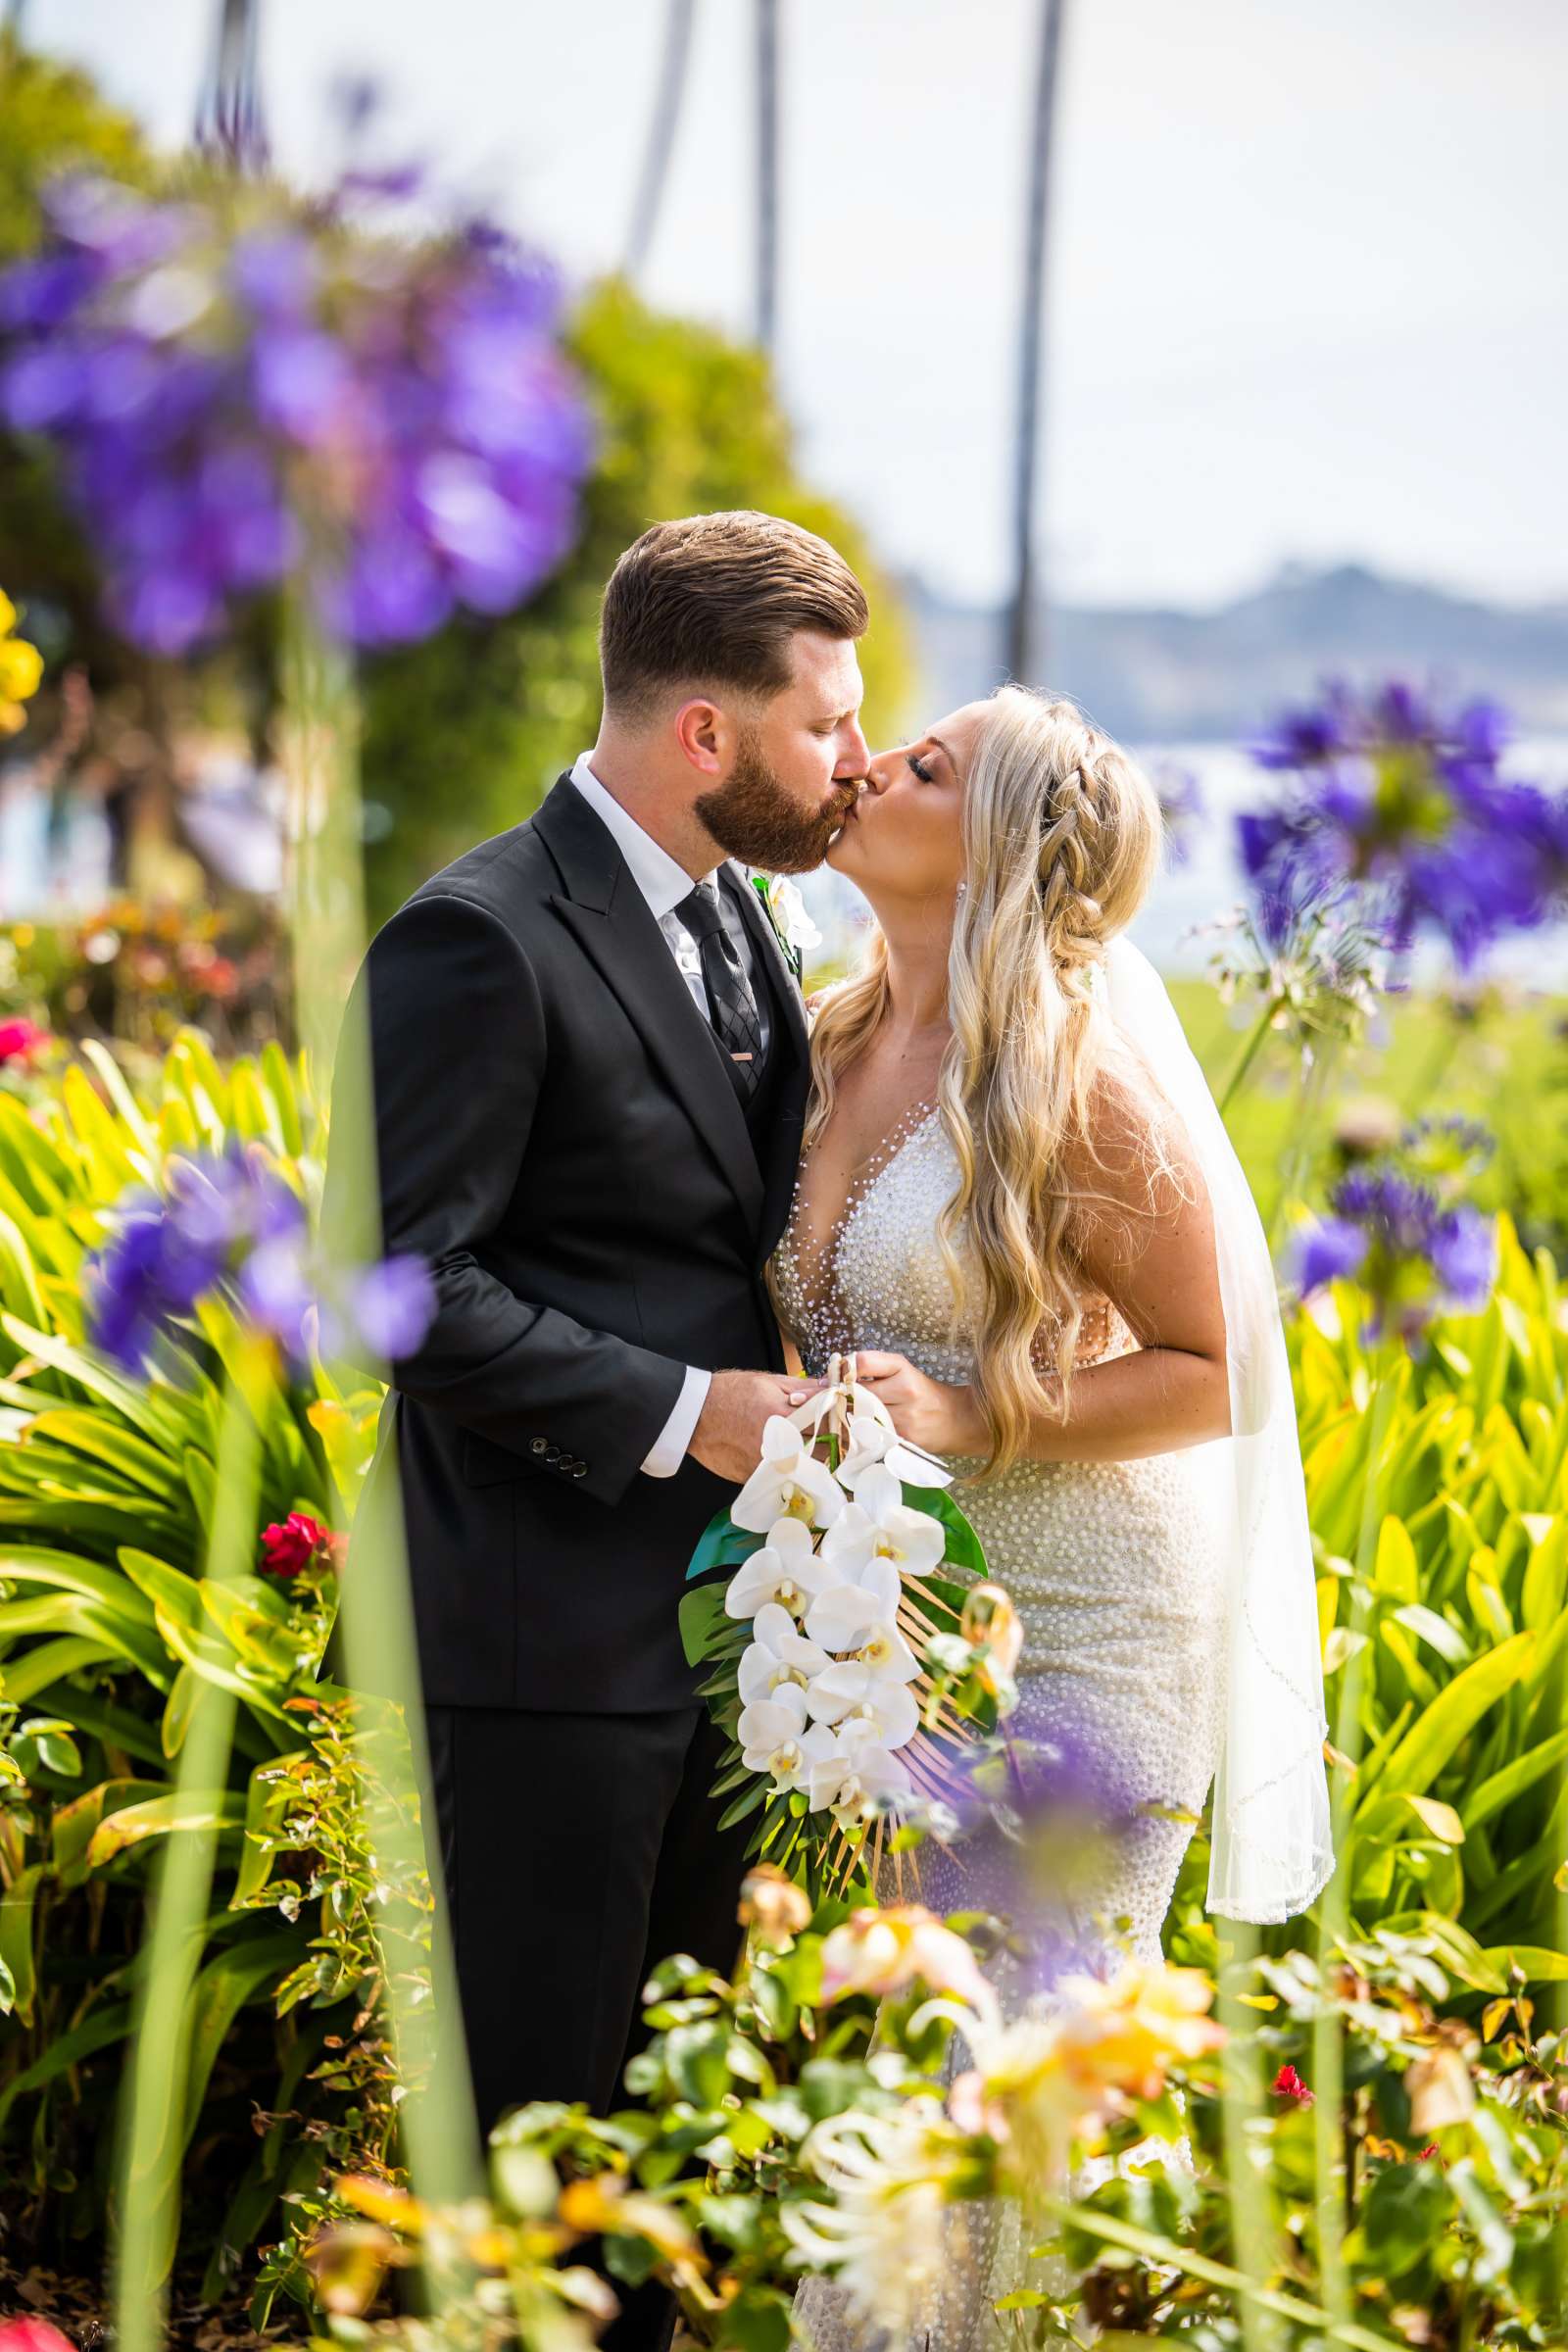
(1026, 636)
(661, 134)
(228, 111)
(767, 107)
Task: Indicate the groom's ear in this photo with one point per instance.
(706, 735)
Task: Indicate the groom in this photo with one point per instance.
(589, 1062)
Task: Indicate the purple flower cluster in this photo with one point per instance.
(1398, 803)
(246, 389)
(233, 1225)
(1390, 1231)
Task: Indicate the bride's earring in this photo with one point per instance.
(963, 888)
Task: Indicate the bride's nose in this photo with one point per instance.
(879, 771)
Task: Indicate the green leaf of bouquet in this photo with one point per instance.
(747, 1802)
(721, 1544)
(963, 1546)
(702, 1619)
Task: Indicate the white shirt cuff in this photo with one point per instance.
(669, 1447)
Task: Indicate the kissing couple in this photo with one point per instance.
(655, 1200)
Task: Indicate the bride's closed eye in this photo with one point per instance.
(920, 768)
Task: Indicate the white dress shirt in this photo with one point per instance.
(663, 884)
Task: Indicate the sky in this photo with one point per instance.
(1304, 280)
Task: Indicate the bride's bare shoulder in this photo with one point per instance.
(1130, 1156)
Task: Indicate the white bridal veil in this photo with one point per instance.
(1272, 1848)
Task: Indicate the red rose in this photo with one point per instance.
(289, 1548)
(22, 1040)
(32, 2335)
(1288, 2085)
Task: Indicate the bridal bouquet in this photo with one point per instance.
(855, 1645)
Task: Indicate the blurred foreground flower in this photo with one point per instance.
(23, 1041)
(291, 1546)
(1399, 802)
(233, 1225)
(32, 2335)
(881, 2237)
(1390, 1231)
(882, 1951)
(21, 669)
(245, 386)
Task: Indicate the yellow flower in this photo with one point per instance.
(882, 1951)
(1120, 2037)
(20, 669)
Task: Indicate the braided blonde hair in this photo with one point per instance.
(1061, 835)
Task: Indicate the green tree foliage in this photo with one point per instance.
(464, 736)
(52, 119)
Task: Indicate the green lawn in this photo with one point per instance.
(1509, 1067)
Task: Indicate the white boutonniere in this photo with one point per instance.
(785, 908)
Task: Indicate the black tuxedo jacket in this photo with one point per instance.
(556, 1134)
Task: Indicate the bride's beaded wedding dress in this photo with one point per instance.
(1115, 1569)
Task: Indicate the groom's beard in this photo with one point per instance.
(753, 818)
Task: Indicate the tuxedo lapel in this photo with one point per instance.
(607, 913)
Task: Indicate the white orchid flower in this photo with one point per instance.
(869, 1436)
(859, 1618)
(780, 1654)
(782, 1742)
(788, 909)
(847, 1773)
(772, 1736)
(786, 1570)
(849, 1693)
(880, 1525)
(788, 1482)
(872, 1442)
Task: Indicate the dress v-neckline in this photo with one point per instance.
(815, 1258)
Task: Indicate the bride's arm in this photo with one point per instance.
(1149, 1247)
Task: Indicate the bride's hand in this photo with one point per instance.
(941, 1419)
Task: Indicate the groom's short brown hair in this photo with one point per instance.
(714, 600)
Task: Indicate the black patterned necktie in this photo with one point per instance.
(730, 1002)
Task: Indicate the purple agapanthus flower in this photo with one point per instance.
(1331, 1250)
(1414, 1254)
(1396, 798)
(244, 388)
(232, 1225)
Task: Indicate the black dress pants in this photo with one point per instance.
(576, 1851)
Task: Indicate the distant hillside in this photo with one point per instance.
(1166, 674)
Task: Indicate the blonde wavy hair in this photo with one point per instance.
(1061, 839)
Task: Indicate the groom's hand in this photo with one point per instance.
(728, 1437)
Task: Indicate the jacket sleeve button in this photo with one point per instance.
(552, 1457)
(537, 1446)
(579, 1469)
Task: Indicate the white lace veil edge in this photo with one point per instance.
(1272, 1852)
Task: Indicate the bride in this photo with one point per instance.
(1016, 1202)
